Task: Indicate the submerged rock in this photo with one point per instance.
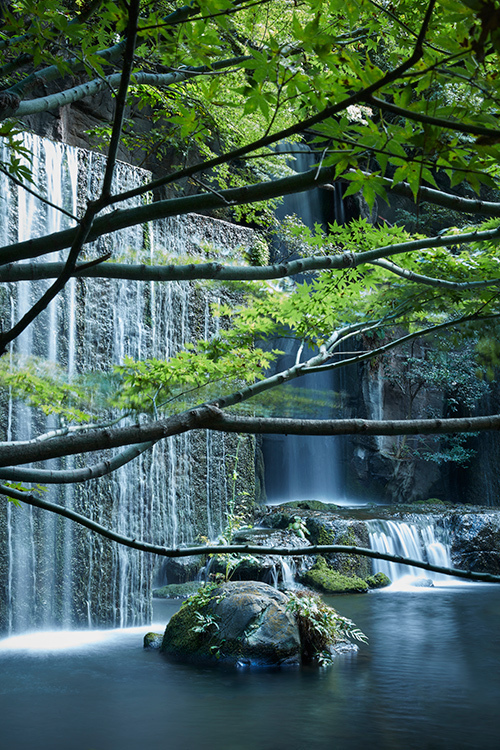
(238, 623)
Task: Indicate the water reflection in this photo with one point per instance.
(428, 679)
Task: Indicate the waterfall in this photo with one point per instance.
(55, 573)
(419, 540)
(299, 467)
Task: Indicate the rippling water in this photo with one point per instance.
(428, 679)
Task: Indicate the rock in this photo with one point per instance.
(266, 568)
(237, 623)
(378, 581)
(153, 640)
(181, 569)
(177, 590)
(322, 577)
(476, 542)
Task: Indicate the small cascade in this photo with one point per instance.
(419, 540)
(288, 572)
(53, 572)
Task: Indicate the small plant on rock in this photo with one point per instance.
(321, 627)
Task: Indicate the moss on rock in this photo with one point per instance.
(324, 578)
(177, 590)
(378, 581)
(153, 640)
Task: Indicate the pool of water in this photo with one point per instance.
(429, 678)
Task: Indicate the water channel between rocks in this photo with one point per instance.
(428, 679)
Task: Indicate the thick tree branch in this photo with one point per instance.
(89, 88)
(440, 198)
(72, 476)
(286, 426)
(244, 549)
(100, 439)
(218, 271)
(121, 219)
(209, 417)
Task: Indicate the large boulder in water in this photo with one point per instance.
(238, 623)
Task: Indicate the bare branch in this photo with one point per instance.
(212, 418)
(218, 271)
(244, 549)
(121, 219)
(430, 281)
(71, 476)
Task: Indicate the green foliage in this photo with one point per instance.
(321, 627)
(298, 527)
(250, 73)
(43, 385)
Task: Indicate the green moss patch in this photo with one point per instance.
(324, 578)
(378, 581)
(177, 590)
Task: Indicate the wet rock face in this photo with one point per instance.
(476, 542)
(243, 623)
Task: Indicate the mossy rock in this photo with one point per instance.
(329, 581)
(378, 581)
(153, 640)
(177, 590)
(311, 505)
(239, 623)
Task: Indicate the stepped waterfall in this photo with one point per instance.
(52, 572)
(423, 539)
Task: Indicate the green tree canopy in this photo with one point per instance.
(391, 99)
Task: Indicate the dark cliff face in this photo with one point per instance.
(401, 469)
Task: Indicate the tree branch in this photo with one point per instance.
(410, 114)
(220, 272)
(89, 88)
(299, 127)
(72, 476)
(418, 278)
(121, 97)
(121, 219)
(244, 549)
(211, 418)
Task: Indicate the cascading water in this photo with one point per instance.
(306, 467)
(421, 540)
(55, 573)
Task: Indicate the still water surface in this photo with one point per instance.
(430, 678)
